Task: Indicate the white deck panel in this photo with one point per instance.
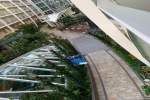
(137, 21)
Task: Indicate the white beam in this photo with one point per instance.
(34, 68)
(4, 92)
(26, 75)
(19, 80)
(95, 15)
(12, 13)
(54, 61)
(28, 81)
(7, 25)
(31, 58)
(41, 53)
(26, 65)
(60, 65)
(40, 59)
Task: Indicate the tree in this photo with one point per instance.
(75, 9)
(28, 29)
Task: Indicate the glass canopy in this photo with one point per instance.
(14, 77)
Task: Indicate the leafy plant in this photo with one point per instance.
(28, 29)
(76, 76)
(26, 44)
(146, 90)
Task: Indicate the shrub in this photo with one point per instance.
(28, 29)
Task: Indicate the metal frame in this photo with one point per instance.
(28, 81)
(34, 68)
(26, 75)
(25, 92)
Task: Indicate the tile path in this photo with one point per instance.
(87, 44)
(113, 77)
(98, 81)
(117, 83)
(127, 68)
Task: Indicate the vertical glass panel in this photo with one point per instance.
(95, 2)
(141, 45)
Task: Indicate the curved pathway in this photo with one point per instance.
(114, 79)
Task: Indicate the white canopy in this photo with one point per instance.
(53, 17)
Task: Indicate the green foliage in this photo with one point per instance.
(65, 46)
(146, 90)
(77, 80)
(43, 96)
(70, 23)
(28, 29)
(64, 19)
(9, 36)
(24, 45)
(75, 9)
(139, 67)
(38, 36)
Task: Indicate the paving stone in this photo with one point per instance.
(89, 43)
(114, 77)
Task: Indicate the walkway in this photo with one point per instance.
(87, 44)
(114, 79)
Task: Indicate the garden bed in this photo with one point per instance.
(74, 76)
